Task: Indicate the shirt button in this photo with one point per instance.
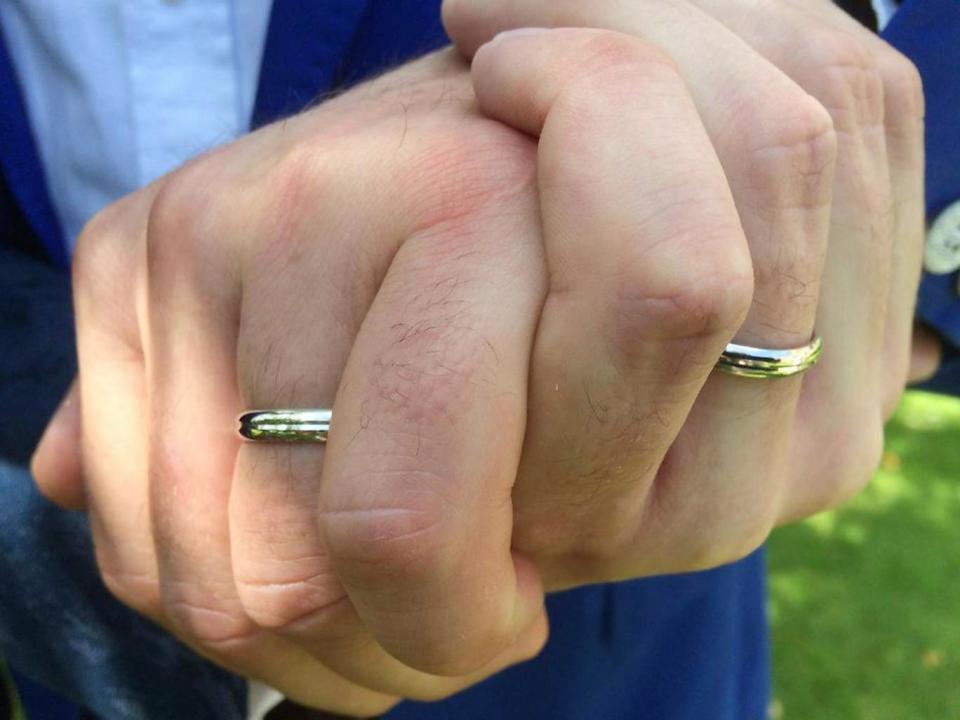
(942, 253)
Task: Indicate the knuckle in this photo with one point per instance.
(170, 228)
(128, 572)
(139, 591)
(701, 307)
(185, 214)
(790, 171)
(836, 48)
(903, 84)
(456, 173)
(460, 20)
(212, 624)
(851, 453)
(101, 256)
(92, 245)
(796, 140)
(843, 74)
(180, 196)
(693, 534)
(283, 604)
(707, 550)
(855, 463)
(607, 51)
(614, 68)
(467, 656)
(299, 180)
(402, 539)
(583, 557)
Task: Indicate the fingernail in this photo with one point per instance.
(519, 32)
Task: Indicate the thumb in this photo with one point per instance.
(57, 464)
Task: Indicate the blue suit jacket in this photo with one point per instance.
(691, 646)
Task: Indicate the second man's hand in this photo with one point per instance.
(514, 302)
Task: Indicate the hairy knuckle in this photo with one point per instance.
(430, 370)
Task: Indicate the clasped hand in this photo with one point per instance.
(512, 284)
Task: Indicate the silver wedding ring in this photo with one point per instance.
(306, 426)
(313, 425)
(753, 362)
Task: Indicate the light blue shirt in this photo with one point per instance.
(120, 92)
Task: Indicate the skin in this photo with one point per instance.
(511, 283)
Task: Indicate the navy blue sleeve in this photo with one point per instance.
(928, 32)
(37, 360)
(313, 50)
(380, 45)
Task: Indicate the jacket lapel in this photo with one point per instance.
(20, 164)
(305, 44)
(928, 32)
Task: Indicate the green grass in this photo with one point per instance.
(865, 601)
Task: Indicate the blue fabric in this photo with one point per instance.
(303, 53)
(37, 358)
(120, 93)
(928, 32)
(393, 32)
(20, 165)
(692, 646)
(60, 627)
(38, 702)
(686, 647)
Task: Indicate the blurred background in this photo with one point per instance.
(865, 601)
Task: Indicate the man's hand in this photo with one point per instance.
(394, 227)
(637, 460)
(395, 247)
